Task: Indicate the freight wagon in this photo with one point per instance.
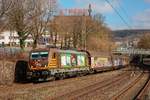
(99, 63)
(106, 63)
(119, 61)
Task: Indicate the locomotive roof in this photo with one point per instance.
(38, 50)
(72, 51)
(60, 51)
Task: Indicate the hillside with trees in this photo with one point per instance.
(144, 42)
(126, 33)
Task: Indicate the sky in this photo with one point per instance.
(136, 13)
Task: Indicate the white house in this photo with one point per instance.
(8, 37)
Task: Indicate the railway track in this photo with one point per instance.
(30, 86)
(128, 90)
(96, 88)
(143, 93)
(92, 88)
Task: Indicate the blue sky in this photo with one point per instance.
(135, 12)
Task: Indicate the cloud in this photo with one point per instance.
(103, 8)
(147, 1)
(98, 6)
(118, 27)
(142, 20)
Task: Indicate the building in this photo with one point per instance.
(8, 37)
(12, 38)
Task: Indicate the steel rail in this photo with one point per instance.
(125, 90)
(143, 92)
(91, 88)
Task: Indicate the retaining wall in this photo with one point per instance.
(7, 69)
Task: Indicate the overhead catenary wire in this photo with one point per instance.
(124, 11)
(124, 21)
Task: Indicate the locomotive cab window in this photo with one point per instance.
(34, 55)
(43, 54)
(39, 55)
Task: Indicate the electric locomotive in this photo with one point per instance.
(44, 64)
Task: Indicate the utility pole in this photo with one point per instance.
(83, 42)
(90, 10)
(84, 34)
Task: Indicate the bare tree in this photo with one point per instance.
(86, 27)
(98, 34)
(43, 12)
(61, 27)
(5, 6)
(144, 41)
(82, 31)
(29, 17)
(19, 19)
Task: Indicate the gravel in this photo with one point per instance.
(52, 89)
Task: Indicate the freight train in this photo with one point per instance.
(52, 63)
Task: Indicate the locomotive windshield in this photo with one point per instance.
(39, 55)
(39, 58)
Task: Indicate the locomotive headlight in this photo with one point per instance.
(38, 64)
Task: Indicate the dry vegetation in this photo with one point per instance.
(144, 41)
(84, 32)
